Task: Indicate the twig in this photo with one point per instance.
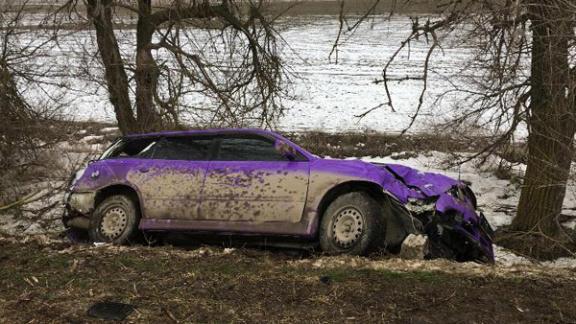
(23, 201)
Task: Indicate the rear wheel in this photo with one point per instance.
(115, 220)
(354, 224)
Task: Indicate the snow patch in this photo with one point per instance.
(109, 130)
(92, 138)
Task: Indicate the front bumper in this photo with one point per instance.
(79, 207)
(455, 229)
(453, 239)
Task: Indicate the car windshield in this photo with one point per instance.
(134, 147)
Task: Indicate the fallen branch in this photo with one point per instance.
(23, 201)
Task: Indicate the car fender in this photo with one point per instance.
(326, 175)
(400, 222)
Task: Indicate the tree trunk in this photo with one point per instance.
(17, 122)
(551, 120)
(100, 11)
(13, 109)
(146, 70)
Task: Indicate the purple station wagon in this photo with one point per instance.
(256, 182)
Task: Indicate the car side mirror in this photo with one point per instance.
(286, 150)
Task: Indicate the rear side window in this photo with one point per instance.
(183, 148)
(248, 149)
(130, 147)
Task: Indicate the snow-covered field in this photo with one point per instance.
(325, 95)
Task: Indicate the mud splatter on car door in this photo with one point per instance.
(251, 181)
(171, 183)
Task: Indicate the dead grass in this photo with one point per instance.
(57, 283)
(339, 145)
(536, 246)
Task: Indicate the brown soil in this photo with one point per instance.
(57, 283)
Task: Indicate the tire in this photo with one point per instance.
(354, 223)
(115, 220)
(76, 235)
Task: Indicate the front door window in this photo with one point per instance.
(249, 180)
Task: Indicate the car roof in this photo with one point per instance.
(212, 131)
(220, 131)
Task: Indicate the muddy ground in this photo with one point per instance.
(55, 282)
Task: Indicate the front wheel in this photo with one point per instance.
(115, 220)
(354, 224)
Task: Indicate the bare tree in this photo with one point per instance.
(31, 104)
(23, 40)
(221, 51)
(523, 76)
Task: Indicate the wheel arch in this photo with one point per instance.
(118, 189)
(372, 188)
(398, 225)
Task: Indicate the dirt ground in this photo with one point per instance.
(56, 283)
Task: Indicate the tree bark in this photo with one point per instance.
(17, 123)
(146, 70)
(100, 11)
(551, 120)
(146, 116)
(13, 109)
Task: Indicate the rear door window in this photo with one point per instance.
(248, 148)
(183, 148)
(130, 148)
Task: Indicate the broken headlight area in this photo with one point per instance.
(81, 202)
(463, 194)
(418, 207)
(74, 219)
(78, 207)
(74, 178)
(453, 236)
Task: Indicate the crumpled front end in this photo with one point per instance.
(78, 207)
(78, 204)
(447, 209)
(454, 228)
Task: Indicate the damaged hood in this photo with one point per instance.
(430, 184)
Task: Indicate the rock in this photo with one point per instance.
(414, 247)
